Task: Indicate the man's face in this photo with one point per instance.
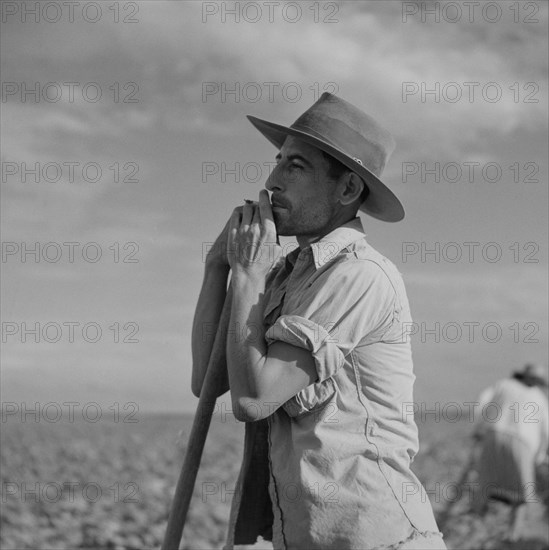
(302, 192)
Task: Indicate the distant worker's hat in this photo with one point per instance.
(533, 372)
(352, 137)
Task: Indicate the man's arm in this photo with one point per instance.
(208, 310)
(261, 378)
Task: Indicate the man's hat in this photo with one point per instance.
(352, 137)
(533, 372)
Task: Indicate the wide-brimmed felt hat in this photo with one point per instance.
(533, 372)
(353, 138)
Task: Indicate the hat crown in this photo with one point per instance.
(350, 130)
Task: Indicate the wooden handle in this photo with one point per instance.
(213, 381)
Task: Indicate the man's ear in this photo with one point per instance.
(350, 188)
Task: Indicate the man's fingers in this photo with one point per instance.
(233, 226)
(266, 211)
(257, 217)
(247, 213)
(237, 210)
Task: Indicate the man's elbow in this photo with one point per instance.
(247, 409)
(196, 385)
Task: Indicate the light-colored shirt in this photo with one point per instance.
(339, 452)
(518, 410)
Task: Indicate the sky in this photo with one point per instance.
(125, 147)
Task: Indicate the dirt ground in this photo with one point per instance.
(109, 485)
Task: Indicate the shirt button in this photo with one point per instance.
(372, 429)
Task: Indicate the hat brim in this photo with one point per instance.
(381, 203)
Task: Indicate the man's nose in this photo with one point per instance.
(273, 181)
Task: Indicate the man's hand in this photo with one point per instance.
(252, 246)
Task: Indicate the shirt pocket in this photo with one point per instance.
(310, 399)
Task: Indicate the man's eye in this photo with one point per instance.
(296, 165)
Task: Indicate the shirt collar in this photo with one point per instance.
(329, 246)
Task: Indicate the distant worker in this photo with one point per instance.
(513, 435)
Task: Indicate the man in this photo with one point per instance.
(320, 369)
(513, 433)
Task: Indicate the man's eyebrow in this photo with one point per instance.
(295, 157)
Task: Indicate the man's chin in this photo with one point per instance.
(282, 228)
(279, 222)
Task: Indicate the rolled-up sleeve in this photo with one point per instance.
(304, 333)
(348, 305)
